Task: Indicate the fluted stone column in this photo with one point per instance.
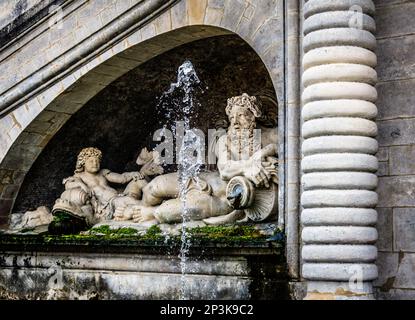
(339, 164)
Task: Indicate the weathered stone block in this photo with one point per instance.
(404, 229)
(383, 154)
(395, 100)
(10, 191)
(122, 5)
(5, 207)
(14, 132)
(216, 4)
(163, 23)
(65, 106)
(396, 191)
(22, 117)
(18, 176)
(81, 95)
(232, 14)
(46, 116)
(108, 14)
(141, 276)
(6, 176)
(87, 27)
(396, 294)
(273, 59)
(385, 3)
(384, 226)
(387, 263)
(16, 161)
(148, 31)
(196, 11)
(261, 11)
(46, 97)
(395, 20)
(405, 276)
(121, 63)
(383, 169)
(57, 123)
(393, 63)
(267, 35)
(39, 127)
(396, 132)
(213, 16)
(249, 11)
(402, 160)
(67, 42)
(179, 18)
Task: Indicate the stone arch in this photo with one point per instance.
(29, 127)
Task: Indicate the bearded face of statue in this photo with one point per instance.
(241, 133)
(241, 119)
(92, 165)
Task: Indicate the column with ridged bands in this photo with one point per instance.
(339, 164)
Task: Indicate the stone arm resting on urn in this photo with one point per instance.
(259, 168)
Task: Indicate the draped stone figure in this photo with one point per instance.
(244, 186)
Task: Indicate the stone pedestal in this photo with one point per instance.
(339, 164)
(101, 269)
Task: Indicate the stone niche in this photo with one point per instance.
(244, 261)
(122, 118)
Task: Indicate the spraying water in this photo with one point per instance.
(187, 143)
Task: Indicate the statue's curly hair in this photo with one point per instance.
(246, 101)
(85, 154)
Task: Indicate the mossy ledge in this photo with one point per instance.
(233, 236)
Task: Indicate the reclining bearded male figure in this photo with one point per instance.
(239, 155)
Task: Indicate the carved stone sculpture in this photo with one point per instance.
(245, 186)
(32, 219)
(88, 194)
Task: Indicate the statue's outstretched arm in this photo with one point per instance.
(122, 178)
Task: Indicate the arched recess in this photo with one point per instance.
(262, 25)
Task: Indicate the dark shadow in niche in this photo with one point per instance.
(121, 119)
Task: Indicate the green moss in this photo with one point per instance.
(225, 231)
(106, 230)
(227, 234)
(69, 237)
(153, 231)
(222, 235)
(61, 216)
(104, 233)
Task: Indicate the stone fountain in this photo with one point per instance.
(207, 234)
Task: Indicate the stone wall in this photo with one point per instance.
(396, 122)
(94, 270)
(12, 10)
(17, 16)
